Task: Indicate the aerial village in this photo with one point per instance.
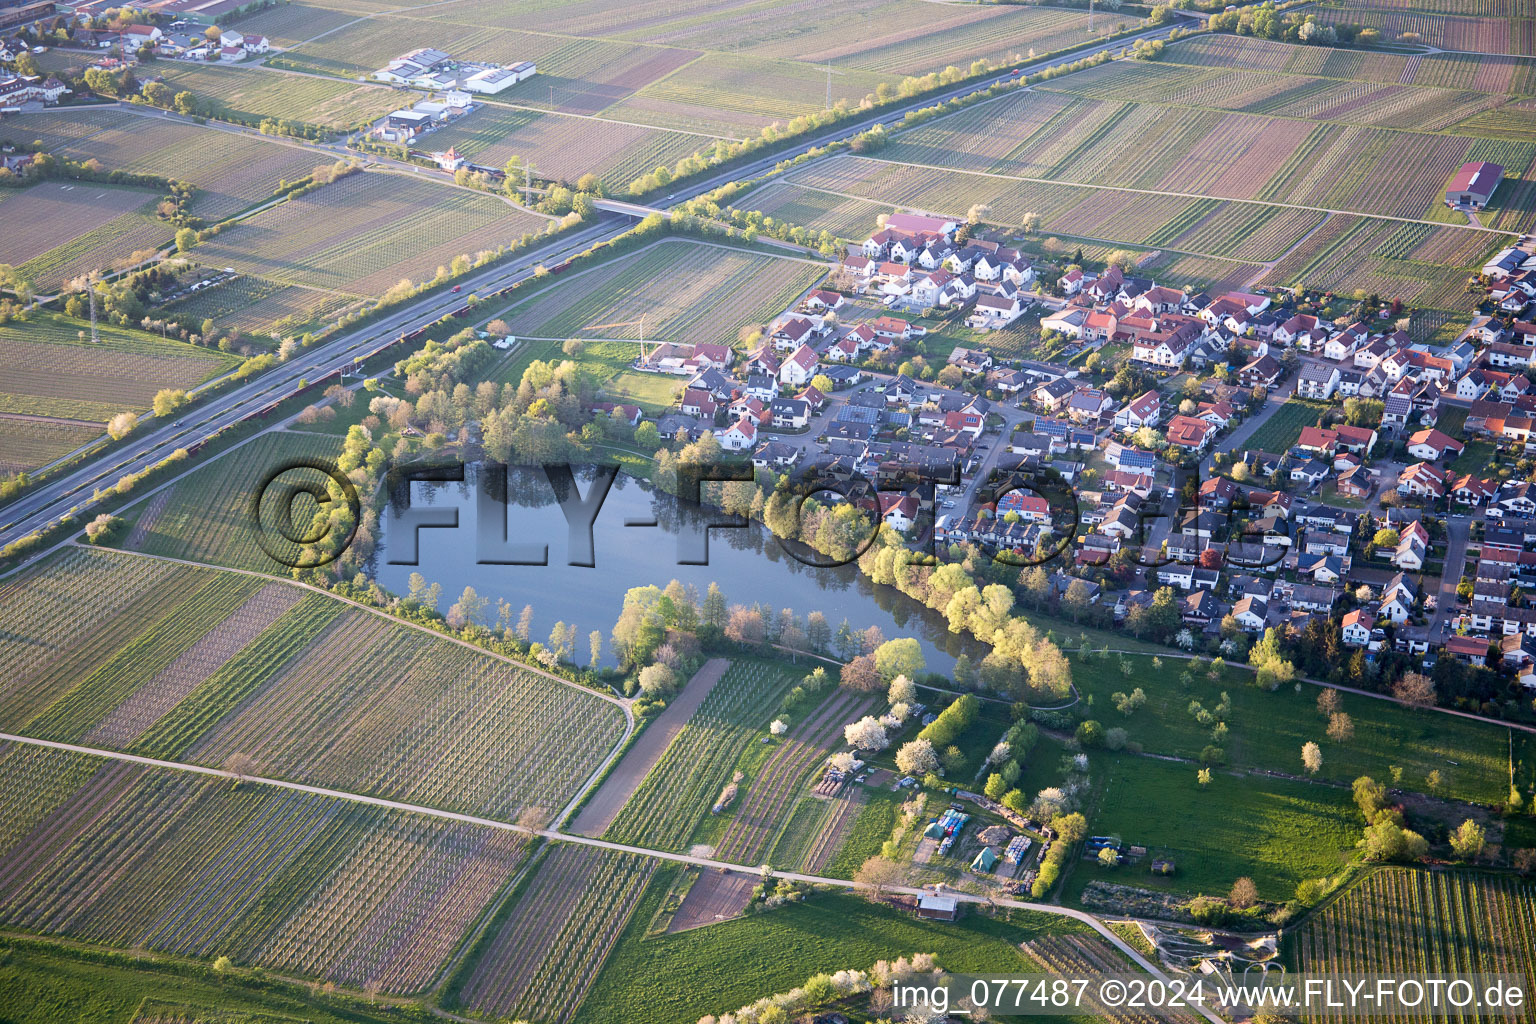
(1273, 467)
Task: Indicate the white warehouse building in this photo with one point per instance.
(494, 80)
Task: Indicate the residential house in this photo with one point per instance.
(1317, 380)
(1145, 410)
(1431, 445)
(800, 367)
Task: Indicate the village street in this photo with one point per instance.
(1458, 530)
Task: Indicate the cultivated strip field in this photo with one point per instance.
(736, 95)
(1478, 72)
(198, 664)
(547, 949)
(1206, 242)
(207, 517)
(1081, 956)
(56, 231)
(301, 883)
(564, 148)
(1318, 99)
(231, 171)
(1477, 35)
(363, 233)
(639, 759)
(251, 94)
(678, 791)
(258, 306)
(761, 811)
(687, 291)
(1418, 922)
(729, 70)
(1052, 137)
(46, 369)
(31, 442)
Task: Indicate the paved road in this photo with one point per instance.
(1235, 441)
(1458, 531)
(563, 837)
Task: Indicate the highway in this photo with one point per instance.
(73, 490)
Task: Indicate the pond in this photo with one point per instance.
(748, 563)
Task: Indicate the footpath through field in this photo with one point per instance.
(565, 837)
(637, 762)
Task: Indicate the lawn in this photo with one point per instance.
(1267, 730)
(1283, 428)
(1477, 457)
(674, 979)
(1276, 832)
(653, 392)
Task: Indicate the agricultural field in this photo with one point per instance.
(33, 442)
(1402, 920)
(47, 369)
(726, 71)
(771, 789)
(232, 172)
(257, 306)
(1475, 72)
(288, 25)
(1448, 32)
(56, 231)
(205, 517)
(565, 148)
(363, 233)
(687, 292)
(1315, 99)
(1274, 831)
(42, 982)
(733, 962)
(551, 940)
(1267, 729)
(304, 884)
(1045, 136)
(847, 218)
(1421, 264)
(736, 95)
(252, 94)
(675, 795)
(203, 665)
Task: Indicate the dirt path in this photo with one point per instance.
(620, 784)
